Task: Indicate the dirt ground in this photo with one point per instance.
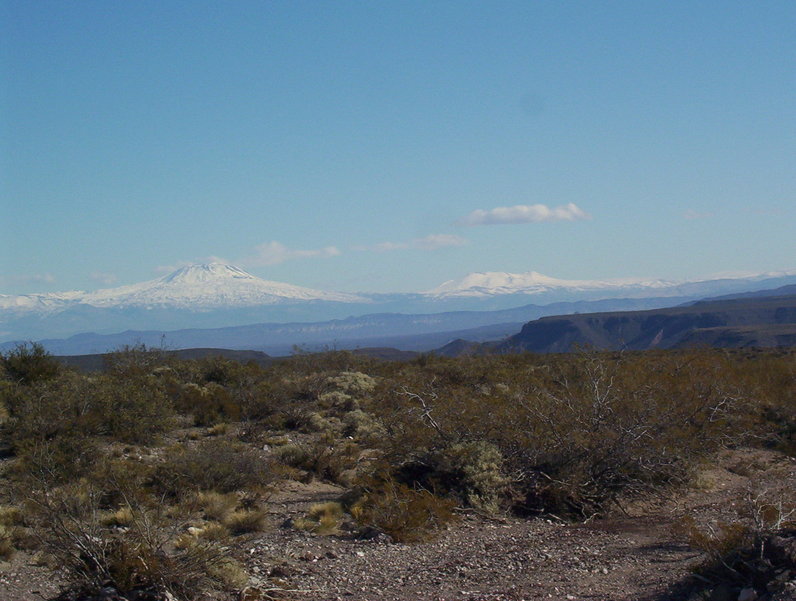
(640, 556)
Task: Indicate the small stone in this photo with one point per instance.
(747, 594)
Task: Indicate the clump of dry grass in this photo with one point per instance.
(322, 518)
(245, 521)
(11, 530)
(215, 505)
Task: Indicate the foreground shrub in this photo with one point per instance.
(54, 462)
(736, 557)
(475, 471)
(29, 363)
(209, 404)
(327, 457)
(131, 410)
(141, 556)
(12, 531)
(404, 514)
(212, 465)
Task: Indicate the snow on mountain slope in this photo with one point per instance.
(211, 285)
(37, 302)
(495, 283)
(196, 287)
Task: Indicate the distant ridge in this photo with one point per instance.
(737, 323)
(217, 295)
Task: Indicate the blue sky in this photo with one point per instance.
(389, 146)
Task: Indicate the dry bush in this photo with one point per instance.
(405, 514)
(130, 409)
(55, 461)
(12, 531)
(141, 556)
(750, 549)
(29, 363)
(135, 361)
(577, 432)
(474, 470)
(212, 465)
(325, 457)
(599, 429)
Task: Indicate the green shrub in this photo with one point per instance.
(353, 383)
(128, 410)
(29, 363)
(209, 404)
(475, 471)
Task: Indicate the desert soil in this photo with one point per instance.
(640, 556)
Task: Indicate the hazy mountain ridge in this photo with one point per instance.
(403, 331)
(756, 322)
(216, 295)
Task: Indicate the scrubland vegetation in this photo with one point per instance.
(145, 475)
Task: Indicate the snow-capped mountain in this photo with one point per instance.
(498, 283)
(195, 287)
(216, 295)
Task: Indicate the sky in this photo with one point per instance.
(390, 146)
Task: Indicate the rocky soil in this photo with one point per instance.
(635, 557)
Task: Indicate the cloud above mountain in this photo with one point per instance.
(536, 213)
(103, 277)
(430, 242)
(28, 278)
(274, 253)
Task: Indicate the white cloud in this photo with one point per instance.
(524, 214)
(103, 277)
(430, 242)
(38, 278)
(691, 214)
(273, 253)
(27, 278)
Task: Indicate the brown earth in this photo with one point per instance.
(641, 556)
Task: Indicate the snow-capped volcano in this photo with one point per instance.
(210, 286)
(497, 283)
(195, 287)
(493, 283)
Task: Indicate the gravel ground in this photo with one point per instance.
(639, 557)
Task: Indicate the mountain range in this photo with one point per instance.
(764, 319)
(219, 297)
